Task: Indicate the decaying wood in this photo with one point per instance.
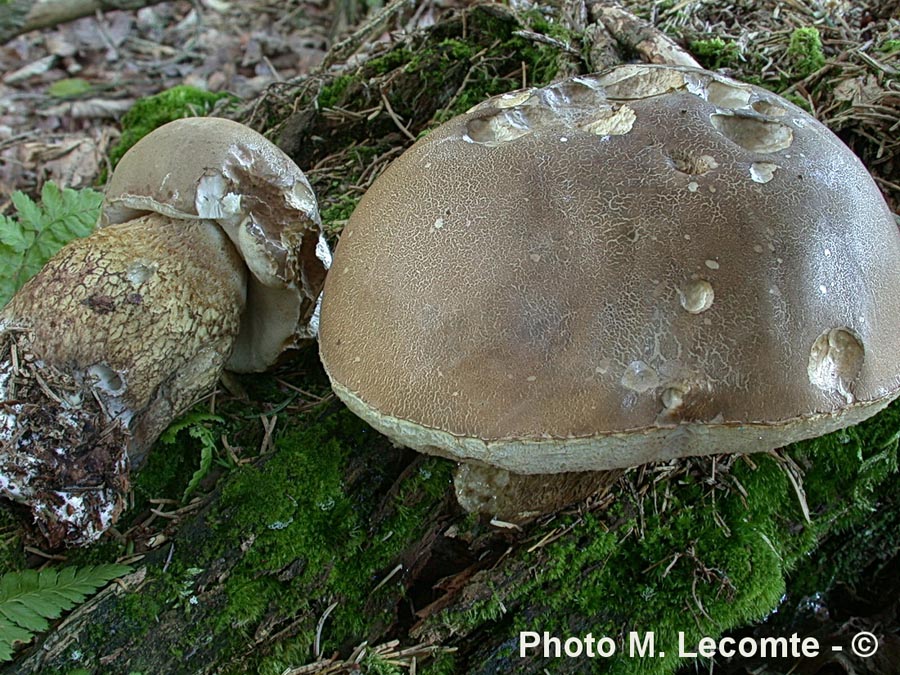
(638, 36)
(22, 16)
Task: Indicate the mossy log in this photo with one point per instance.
(333, 551)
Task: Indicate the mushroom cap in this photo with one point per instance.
(216, 169)
(114, 337)
(643, 264)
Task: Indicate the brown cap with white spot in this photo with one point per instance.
(643, 264)
(209, 168)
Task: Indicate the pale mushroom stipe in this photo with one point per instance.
(649, 263)
(210, 255)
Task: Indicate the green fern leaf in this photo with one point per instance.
(186, 422)
(28, 212)
(24, 616)
(14, 236)
(206, 458)
(28, 598)
(9, 635)
(36, 233)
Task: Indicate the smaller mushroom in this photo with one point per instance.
(209, 256)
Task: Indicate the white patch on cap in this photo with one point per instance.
(611, 122)
(110, 385)
(106, 379)
(763, 172)
(323, 252)
(513, 99)
(302, 198)
(252, 243)
(213, 199)
(312, 330)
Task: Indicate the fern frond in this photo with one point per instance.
(188, 420)
(197, 424)
(28, 599)
(38, 232)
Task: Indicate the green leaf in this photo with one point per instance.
(28, 599)
(189, 420)
(69, 87)
(13, 236)
(10, 633)
(26, 617)
(29, 213)
(206, 457)
(197, 426)
(36, 233)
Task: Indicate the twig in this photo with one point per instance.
(345, 48)
(317, 646)
(22, 16)
(547, 40)
(400, 125)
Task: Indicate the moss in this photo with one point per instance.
(889, 46)
(149, 113)
(308, 541)
(373, 664)
(853, 555)
(396, 58)
(12, 553)
(336, 214)
(481, 612)
(332, 93)
(715, 558)
(141, 610)
(443, 664)
(798, 101)
(805, 54)
(167, 470)
(541, 61)
(104, 551)
(715, 53)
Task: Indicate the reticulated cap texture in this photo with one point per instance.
(219, 170)
(632, 266)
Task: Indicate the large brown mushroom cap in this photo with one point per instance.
(217, 169)
(643, 264)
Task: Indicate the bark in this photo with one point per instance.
(22, 16)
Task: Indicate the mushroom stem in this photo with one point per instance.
(516, 497)
(118, 334)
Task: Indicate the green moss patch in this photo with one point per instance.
(308, 542)
(699, 553)
(715, 53)
(149, 113)
(805, 53)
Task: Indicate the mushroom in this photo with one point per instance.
(209, 256)
(649, 263)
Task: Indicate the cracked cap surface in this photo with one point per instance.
(618, 268)
(220, 170)
(115, 336)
